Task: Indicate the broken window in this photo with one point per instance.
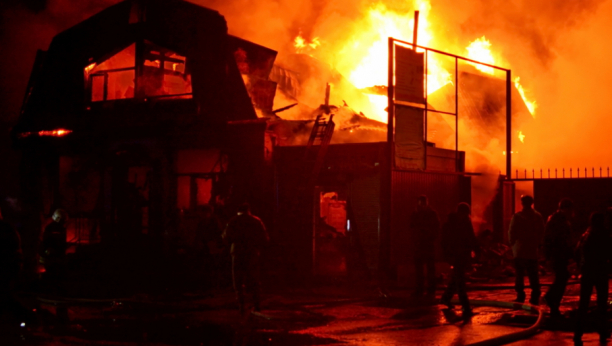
(164, 74)
(113, 78)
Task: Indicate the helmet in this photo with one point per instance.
(59, 215)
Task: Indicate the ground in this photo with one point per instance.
(325, 314)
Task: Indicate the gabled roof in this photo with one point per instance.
(57, 89)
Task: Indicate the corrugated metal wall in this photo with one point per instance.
(444, 192)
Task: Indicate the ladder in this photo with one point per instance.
(322, 132)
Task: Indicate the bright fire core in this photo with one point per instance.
(363, 58)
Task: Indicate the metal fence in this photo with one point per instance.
(562, 173)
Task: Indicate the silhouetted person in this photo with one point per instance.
(595, 255)
(53, 246)
(526, 234)
(53, 257)
(459, 243)
(10, 265)
(559, 249)
(247, 236)
(425, 226)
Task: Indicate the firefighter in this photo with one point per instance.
(459, 245)
(559, 249)
(247, 236)
(526, 235)
(425, 226)
(594, 257)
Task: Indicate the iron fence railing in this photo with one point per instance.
(562, 173)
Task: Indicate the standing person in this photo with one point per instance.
(459, 245)
(247, 236)
(526, 234)
(54, 245)
(53, 257)
(425, 226)
(558, 248)
(595, 255)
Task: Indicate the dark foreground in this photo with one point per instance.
(322, 315)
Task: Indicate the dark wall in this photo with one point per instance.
(588, 194)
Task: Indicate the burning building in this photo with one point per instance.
(145, 111)
(127, 120)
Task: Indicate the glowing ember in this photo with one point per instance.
(521, 136)
(88, 69)
(480, 50)
(54, 133)
(531, 105)
(47, 133)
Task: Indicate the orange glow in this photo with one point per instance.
(521, 136)
(47, 133)
(54, 133)
(480, 50)
(88, 69)
(531, 105)
(303, 46)
(362, 57)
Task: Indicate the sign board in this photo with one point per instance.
(409, 75)
(409, 138)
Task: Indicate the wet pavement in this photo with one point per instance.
(340, 315)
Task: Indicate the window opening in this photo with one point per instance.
(114, 77)
(165, 74)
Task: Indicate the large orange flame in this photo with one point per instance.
(302, 45)
(480, 50)
(531, 105)
(363, 58)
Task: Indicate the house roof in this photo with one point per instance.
(56, 99)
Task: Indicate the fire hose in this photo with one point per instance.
(511, 337)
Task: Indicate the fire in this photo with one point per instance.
(371, 68)
(302, 45)
(480, 50)
(531, 105)
(88, 69)
(54, 133)
(521, 136)
(363, 56)
(47, 133)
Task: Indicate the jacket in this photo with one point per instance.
(425, 226)
(458, 239)
(558, 238)
(526, 233)
(246, 234)
(595, 251)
